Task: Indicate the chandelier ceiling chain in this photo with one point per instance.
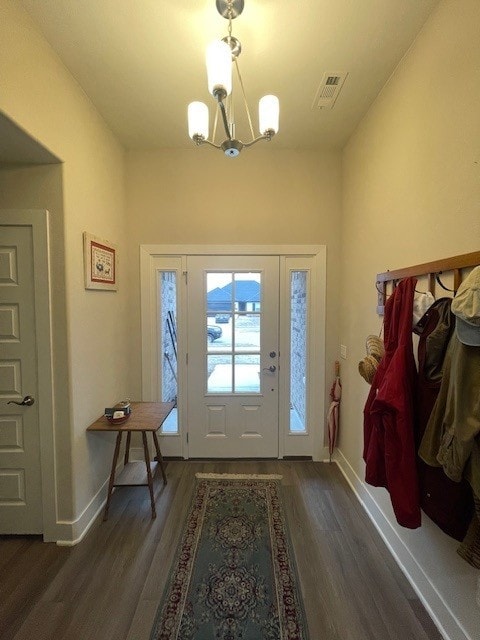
(220, 56)
(230, 11)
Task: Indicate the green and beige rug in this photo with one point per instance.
(234, 576)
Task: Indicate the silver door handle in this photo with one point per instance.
(27, 401)
(272, 368)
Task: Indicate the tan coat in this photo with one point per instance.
(452, 435)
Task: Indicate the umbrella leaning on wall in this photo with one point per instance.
(333, 414)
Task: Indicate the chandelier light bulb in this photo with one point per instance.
(198, 120)
(268, 114)
(219, 67)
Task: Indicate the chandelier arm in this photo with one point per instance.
(267, 136)
(199, 139)
(212, 144)
(244, 98)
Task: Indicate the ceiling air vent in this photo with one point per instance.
(328, 90)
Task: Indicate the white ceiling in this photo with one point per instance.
(142, 61)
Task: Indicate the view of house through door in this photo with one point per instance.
(232, 372)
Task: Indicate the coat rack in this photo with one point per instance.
(430, 269)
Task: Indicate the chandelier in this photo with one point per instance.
(221, 56)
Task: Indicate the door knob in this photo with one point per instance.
(272, 368)
(27, 401)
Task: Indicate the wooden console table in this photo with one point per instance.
(145, 417)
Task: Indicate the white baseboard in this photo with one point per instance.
(448, 625)
(68, 533)
(71, 532)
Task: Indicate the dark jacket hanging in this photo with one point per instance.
(449, 504)
(389, 442)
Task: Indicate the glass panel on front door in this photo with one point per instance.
(233, 323)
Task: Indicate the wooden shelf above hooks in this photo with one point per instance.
(454, 264)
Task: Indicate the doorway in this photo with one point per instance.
(25, 396)
(232, 380)
(236, 337)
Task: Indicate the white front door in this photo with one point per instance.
(232, 378)
(20, 469)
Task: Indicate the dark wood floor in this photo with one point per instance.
(108, 586)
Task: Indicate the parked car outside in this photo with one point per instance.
(213, 332)
(222, 318)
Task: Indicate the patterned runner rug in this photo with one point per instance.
(234, 576)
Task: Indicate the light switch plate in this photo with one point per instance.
(343, 351)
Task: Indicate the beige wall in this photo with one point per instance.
(264, 196)
(40, 95)
(411, 194)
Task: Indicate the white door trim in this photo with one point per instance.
(148, 255)
(38, 220)
(232, 249)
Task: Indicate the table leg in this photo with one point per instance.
(159, 456)
(127, 448)
(112, 473)
(149, 473)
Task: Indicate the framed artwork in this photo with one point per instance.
(100, 263)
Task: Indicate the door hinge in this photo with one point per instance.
(185, 273)
(186, 358)
(187, 437)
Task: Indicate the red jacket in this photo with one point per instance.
(389, 441)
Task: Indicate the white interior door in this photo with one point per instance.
(232, 378)
(20, 468)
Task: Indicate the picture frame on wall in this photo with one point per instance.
(100, 262)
